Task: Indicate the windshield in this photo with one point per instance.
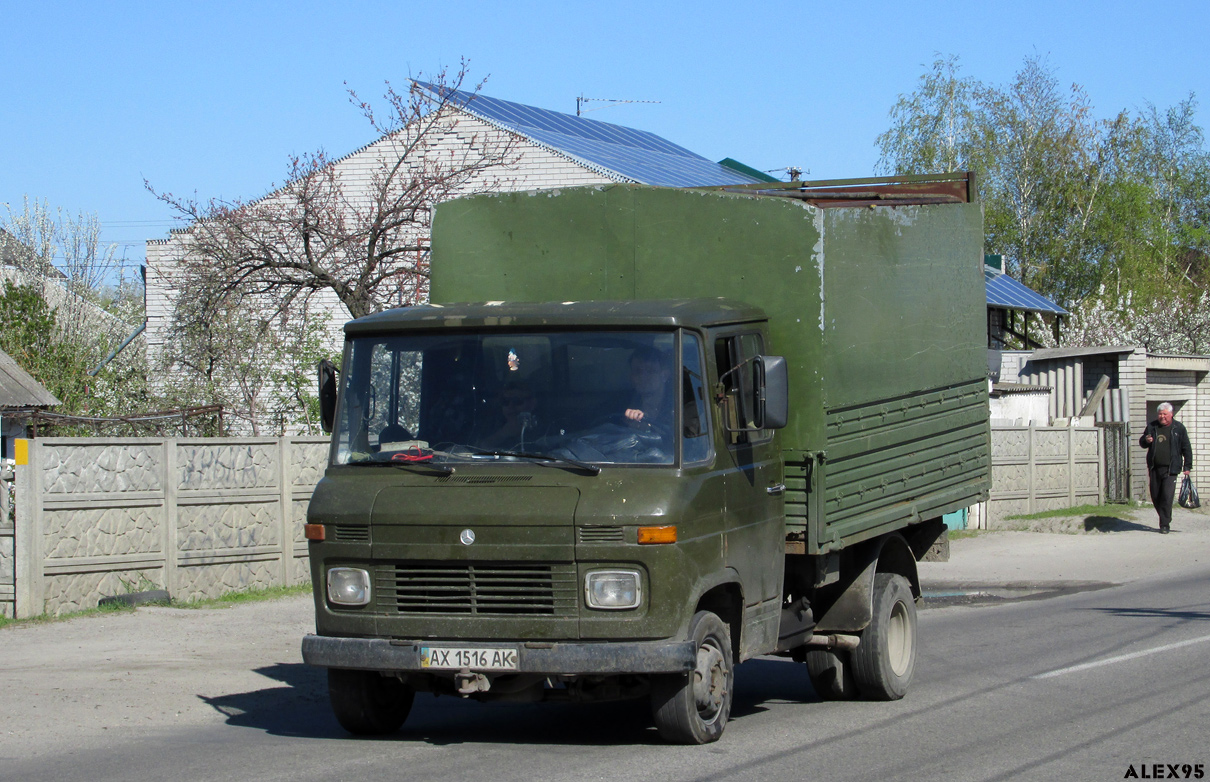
(591, 396)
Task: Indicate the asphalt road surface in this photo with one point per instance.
(1096, 685)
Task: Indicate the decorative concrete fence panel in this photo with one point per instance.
(1039, 468)
(196, 517)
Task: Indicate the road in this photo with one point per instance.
(1084, 686)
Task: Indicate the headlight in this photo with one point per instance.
(348, 586)
(613, 589)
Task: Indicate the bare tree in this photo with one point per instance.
(363, 235)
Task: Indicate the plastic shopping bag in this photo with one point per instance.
(1188, 498)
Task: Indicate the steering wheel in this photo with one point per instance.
(643, 429)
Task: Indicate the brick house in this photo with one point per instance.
(552, 149)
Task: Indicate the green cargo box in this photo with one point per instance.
(878, 309)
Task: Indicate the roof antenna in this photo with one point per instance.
(795, 173)
(582, 101)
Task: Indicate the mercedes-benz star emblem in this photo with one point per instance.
(467, 537)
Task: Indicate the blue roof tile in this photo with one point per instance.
(629, 154)
(1004, 291)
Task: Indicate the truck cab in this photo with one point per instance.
(537, 501)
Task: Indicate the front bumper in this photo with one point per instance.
(552, 658)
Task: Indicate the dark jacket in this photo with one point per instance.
(1182, 451)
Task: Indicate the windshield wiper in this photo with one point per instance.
(440, 469)
(540, 458)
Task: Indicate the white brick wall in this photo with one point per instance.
(535, 168)
(1189, 392)
(1132, 375)
(1197, 421)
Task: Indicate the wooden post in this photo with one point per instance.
(1098, 393)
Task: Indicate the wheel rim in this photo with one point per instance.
(899, 639)
(710, 681)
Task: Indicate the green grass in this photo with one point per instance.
(246, 596)
(959, 534)
(48, 618)
(1112, 511)
(224, 601)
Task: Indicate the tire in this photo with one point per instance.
(831, 674)
(367, 704)
(884, 661)
(693, 708)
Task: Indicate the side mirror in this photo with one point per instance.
(328, 374)
(772, 391)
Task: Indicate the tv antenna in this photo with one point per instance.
(794, 172)
(610, 102)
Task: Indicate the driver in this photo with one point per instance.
(651, 376)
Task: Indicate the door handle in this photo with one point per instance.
(777, 488)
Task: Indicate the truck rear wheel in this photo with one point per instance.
(831, 674)
(367, 704)
(693, 708)
(885, 660)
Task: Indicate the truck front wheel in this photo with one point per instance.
(367, 704)
(884, 661)
(693, 708)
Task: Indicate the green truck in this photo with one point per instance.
(673, 430)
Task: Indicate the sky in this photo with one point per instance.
(100, 100)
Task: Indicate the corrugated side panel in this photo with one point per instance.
(798, 494)
(891, 463)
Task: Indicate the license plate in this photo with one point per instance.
(457, 658)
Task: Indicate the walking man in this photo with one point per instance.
(1168, 455)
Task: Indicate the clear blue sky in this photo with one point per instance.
(211, 97)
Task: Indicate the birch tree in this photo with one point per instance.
(1040, 159)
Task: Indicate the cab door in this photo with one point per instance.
(754, 537)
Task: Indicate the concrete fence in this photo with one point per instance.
(1041, 468)
(201, 517)
(198, 517)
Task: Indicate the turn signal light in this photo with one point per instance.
(648, 535)
(313, 531)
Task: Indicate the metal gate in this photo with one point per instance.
(1117, 460)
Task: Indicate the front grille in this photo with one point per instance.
(479, 589)
(485, 479)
